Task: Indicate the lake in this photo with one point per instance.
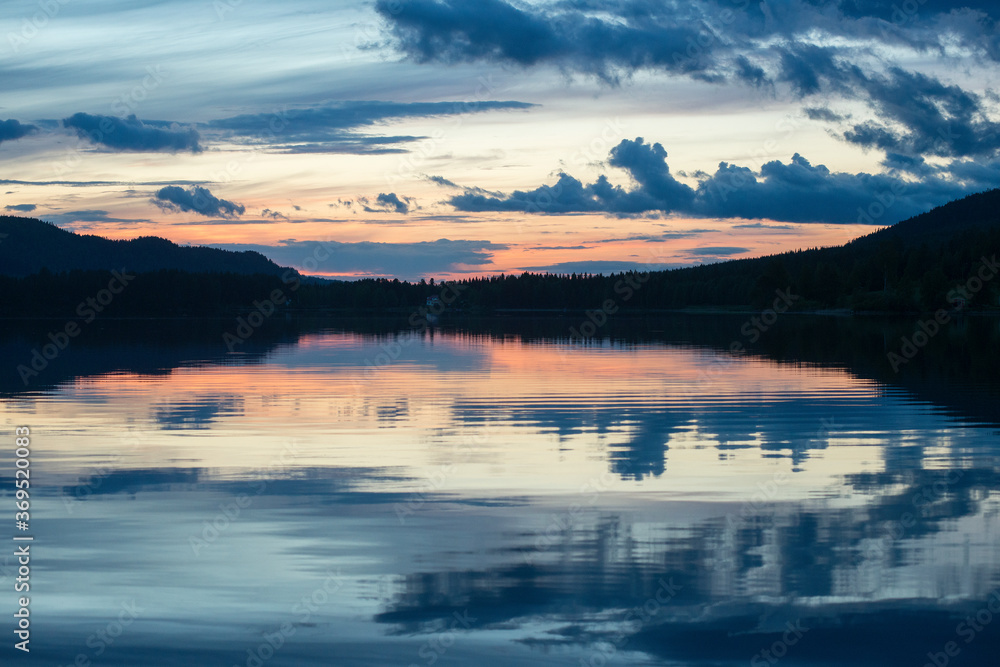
(674, 490)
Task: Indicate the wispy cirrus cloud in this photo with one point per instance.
(409, 260)
(337, 127)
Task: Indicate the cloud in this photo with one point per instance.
(761, 225)
(389, 203)
(443, 182)
(794, 192)
(604, 267)
(72, 218)
(822, 113)
(11, 130)
(198, 200)
(23, 208)
(96, 184)
(274, 215)
(805, 67)
(716, 251)
(798, 48)
(707, 38)
(132, 134)
(451, 31)
(749, 73)
(403, 260)
(928, 118)
(333, 128)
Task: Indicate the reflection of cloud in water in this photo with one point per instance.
(197, 413)
(739, 581)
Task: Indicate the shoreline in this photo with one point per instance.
(503, 313)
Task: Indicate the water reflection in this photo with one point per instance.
(494, 492)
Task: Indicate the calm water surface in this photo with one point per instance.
(498, 494)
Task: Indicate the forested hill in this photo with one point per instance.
(977, 212)
(918, 264)
(28, 245)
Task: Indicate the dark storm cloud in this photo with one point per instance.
(381, 259)
(802, 68)
(932, 118)
(670, 35)
(453, 31)
(11, 129)
(132, 134)
(23, 208)
(737, 42)
(797, 191)
(749, 73)
(198, 200)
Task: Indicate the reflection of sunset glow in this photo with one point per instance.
(511, 417)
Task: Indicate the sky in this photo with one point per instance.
(451, 138)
